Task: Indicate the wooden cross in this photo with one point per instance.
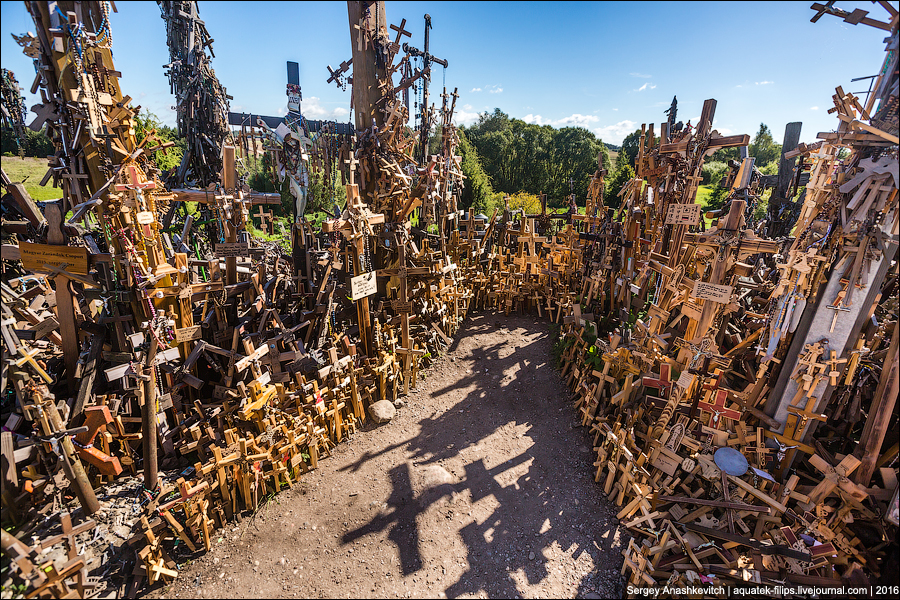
(135, 182)
(836, 477)
(362, 34)
(401, 31)
(785, 445)
(717, 409)
(264, 217)
(663, 383)
(727, 239)
(335, 75)
(351, 163)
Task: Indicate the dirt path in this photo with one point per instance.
(480, 487)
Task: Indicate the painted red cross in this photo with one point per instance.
(135, 183)
(663, 383)
(718, 409)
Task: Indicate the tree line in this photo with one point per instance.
(506, 156)
(503, 155)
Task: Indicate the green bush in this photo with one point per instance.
(36, 143)
(713, 172)
(614, 184)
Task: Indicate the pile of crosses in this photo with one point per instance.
(740, 389)
(141, 337)
(740, 421)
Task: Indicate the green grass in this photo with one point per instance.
(30, 171)
(703, 193)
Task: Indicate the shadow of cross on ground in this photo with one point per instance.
(514, 462)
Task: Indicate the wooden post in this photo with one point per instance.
(817, 323)
(148, 417)
(362, 305)
(366, 73)
(65, 303)
(230, 230)
(880, 414)
(783, 183)
(71, 464)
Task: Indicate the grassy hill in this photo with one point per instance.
(30, 171)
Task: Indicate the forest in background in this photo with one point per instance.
(501, 156)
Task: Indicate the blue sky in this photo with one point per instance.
(607, 66)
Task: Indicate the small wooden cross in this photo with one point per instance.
(265, 223)
(351, 163)
(401, 31)
(663, 382)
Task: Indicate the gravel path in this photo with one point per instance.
(481, 486)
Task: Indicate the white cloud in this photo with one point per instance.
(574, 120)
(764, 82)
(467, 107)
(813, 108)
(738, 86)
(476, 89)
(615, 110)
(614, 134)
(641, 75)
(577, 120)
(464, 117)
(646, 86)
(495, 90)
(313, 109)
(280, 111)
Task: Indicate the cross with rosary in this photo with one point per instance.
(427, 59)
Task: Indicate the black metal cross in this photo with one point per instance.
(428, 59)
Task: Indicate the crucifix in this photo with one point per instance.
(427, 59)
(718, 409)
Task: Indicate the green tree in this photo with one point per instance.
(713, 171)
(36, 143)
(763, 147)
(614, 184)
(630, 147)
(477, 190)
(144, 123)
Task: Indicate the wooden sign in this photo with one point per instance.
(35, 256)
(685, 380)
(711, 291)
(44, 327)
(232, 249)
(691, 310)
(145, 217)
(220, 392)
(401, 307)
(683, 214)
(187, 334)
(362, 286)
(165, 402)
(667, 461)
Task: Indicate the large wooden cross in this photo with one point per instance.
(695, 147)
(729, 244)
(357, 211)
